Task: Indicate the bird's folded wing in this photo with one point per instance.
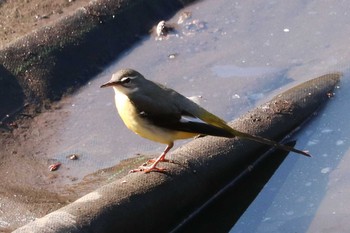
(170, 114)
(184, 123)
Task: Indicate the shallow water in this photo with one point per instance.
(235, 55)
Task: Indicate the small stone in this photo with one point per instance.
(73, 156)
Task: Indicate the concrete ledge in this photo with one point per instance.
(157, 202)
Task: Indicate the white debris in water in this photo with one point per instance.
(313, 142)
(307, 184)
(339, 142)
(172, 56)
(326, 131)
(236, 96)
(286, 30)
(325, 170)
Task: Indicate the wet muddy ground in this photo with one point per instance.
(234, 55)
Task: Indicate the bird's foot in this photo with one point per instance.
(155, 159)
(147, 169)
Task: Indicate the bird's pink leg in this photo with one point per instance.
(163, 159)
(153, 167)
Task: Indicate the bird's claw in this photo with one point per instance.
(154, 160)
(147, 169)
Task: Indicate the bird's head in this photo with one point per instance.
(125, 81)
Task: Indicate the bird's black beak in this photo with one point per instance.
(108, 84)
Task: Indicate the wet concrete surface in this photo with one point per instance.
(233, 54)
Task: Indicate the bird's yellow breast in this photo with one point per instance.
(142, 127)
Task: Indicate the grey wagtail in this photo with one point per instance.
(158, 113)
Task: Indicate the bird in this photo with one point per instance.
(161, 114)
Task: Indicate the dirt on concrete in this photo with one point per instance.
(18, 17)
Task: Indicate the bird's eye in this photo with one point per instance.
(125, 80)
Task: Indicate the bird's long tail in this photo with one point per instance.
(270, 142)
(215, 121)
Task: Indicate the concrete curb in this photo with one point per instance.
(157, 202)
